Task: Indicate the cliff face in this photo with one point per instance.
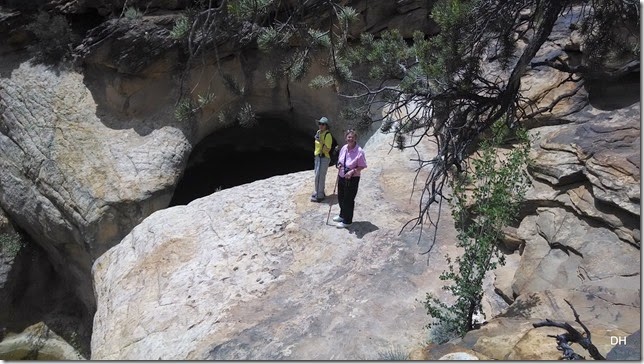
(89, 153)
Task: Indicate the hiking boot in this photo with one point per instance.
(341, 225)
(338, 219)
(313, 199)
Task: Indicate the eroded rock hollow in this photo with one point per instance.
(238, 155)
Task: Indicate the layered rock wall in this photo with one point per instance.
(89, 153)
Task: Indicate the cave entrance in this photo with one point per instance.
(237, 155)
(614, 94)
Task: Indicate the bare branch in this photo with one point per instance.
(572, 335)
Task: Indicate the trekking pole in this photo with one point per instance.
(330, 205)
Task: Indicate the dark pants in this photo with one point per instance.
(347, 191)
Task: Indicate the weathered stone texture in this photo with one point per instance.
(74, 184)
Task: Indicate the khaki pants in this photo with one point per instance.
(320, 169)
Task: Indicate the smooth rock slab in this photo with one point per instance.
(253, 272)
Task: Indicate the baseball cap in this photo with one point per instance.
(323, 120)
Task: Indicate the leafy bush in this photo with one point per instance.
(499, 186)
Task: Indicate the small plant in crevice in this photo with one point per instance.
(184, 110)
(393, 354)
(11, 244)
(132, 13)
(441, 332)
(246, 116)
(181, 28)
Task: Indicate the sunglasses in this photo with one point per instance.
(321, 123)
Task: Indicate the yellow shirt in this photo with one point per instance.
(325, 137)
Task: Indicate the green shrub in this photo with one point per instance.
(393, 354)
(133, 13)
(184, 110)
(499, 186)
(442, 332)
(181, 28)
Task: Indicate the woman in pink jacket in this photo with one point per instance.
(350, 162)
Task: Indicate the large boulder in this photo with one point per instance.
(37, 342)
(511, 336)
(254, 272)
(73, 182)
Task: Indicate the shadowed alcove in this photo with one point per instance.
(238, 155)
(615, 93)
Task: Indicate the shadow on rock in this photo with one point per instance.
(362, 228)
(522, 306)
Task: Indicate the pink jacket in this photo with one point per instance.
(350, 159)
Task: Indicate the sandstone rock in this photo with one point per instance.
(632, 350)
(558, 167)
(608, 149)
(536, 345)
(564, 252)
(551, 91)
(253, 272)
(511, 240)
(451, 351)
(598, 307)
(132, 47)
(72, 182)
(497, 338)
(87, 156)
(504, 275)
(37, 342)
(458, 356)
(511, 335)
(624, 225)
(492, 303)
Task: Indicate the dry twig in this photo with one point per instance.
(572, 336)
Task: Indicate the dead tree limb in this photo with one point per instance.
(572, 336)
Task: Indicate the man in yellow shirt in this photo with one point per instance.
(323, 142)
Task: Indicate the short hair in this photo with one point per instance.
(351, 131)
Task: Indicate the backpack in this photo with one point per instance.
(334, 153)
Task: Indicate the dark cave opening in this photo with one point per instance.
(238, 155)
(614, 94)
